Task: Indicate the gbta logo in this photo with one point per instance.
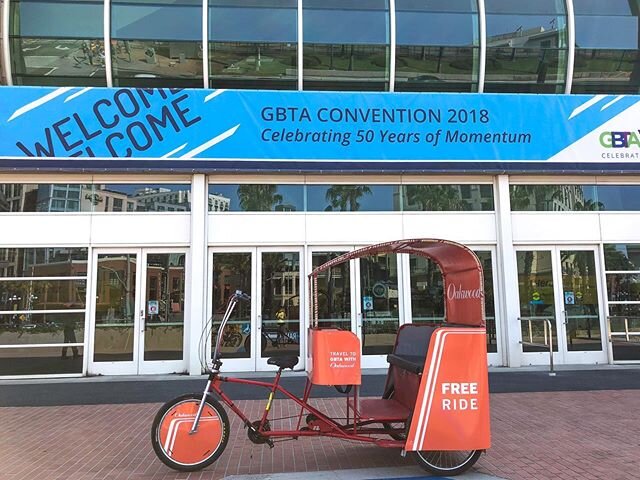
(620, 139)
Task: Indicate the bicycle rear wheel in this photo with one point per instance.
(443, 462)
(181, 450)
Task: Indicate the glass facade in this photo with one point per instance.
(156, 43)
(438, 46)
(526, 46)
(346, 45)
(57, 42)
(350, 198)
(43, 295)
(120, 198)
(607, 46)
(622, 266)
(575, 198)
(253, 44)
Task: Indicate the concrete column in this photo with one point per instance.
(197, 273)
(507, 273)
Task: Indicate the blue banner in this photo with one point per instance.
(170, 126)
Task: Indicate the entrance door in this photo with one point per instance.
(137, 319)
(270, 325)
(561, 284)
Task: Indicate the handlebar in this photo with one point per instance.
(240, 295)
(235, 298)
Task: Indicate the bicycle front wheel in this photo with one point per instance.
(173, 441)
(447, 462)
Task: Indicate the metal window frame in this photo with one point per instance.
(571, 40)
(6, 51)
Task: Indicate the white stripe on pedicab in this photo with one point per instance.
(421, 417)
(434, 383)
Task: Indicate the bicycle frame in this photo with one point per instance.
(328, 427)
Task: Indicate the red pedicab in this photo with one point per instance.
(436, 399)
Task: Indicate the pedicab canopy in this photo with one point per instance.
(461, 273)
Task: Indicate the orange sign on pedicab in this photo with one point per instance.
(435, 402)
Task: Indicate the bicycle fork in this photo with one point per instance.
(194, 427)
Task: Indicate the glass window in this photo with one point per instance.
(623, 293)
(447, 198)
(43, 262)
(526, 46)
(619, 197)
(280, 304)
(39, 361)
(157, 43)
(42, 311)
(256, 198)
(253, 44)
(622, 257)
(346, 44)
(549, 198)
(536, 291)
(607, 53)
(380, 308)
(231, 272)
(575, 198)
(437, 46)
(95, 198)
(352, 198)
(334, 292)
(57, 42)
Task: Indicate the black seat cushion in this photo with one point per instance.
(411, 363)
(286, 361)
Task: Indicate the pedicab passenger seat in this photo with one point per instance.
(410, 350)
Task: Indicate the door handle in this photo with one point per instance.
(142, 321)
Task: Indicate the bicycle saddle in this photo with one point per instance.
(286, 361)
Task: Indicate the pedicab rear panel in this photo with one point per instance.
(452, 407)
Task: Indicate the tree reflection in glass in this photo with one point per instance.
(345, 198)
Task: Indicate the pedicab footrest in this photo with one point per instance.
(383, 409)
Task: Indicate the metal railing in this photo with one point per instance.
(548, 337)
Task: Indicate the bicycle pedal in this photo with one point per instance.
(270, 443)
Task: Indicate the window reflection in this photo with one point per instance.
(346, 45)
(334, 292)
(256, 198)
(57, 42)
(157, 43)
(437, 45)
(526, 46)
(448, 198)
(253, 44)
(380, 303)
(607, 55)
(231, 272)
(562, 198)
(352, 198)
(43, 262)
(575, 198)
(94, 198)
(536, 291)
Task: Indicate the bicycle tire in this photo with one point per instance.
(176, 447)
(447, 462)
